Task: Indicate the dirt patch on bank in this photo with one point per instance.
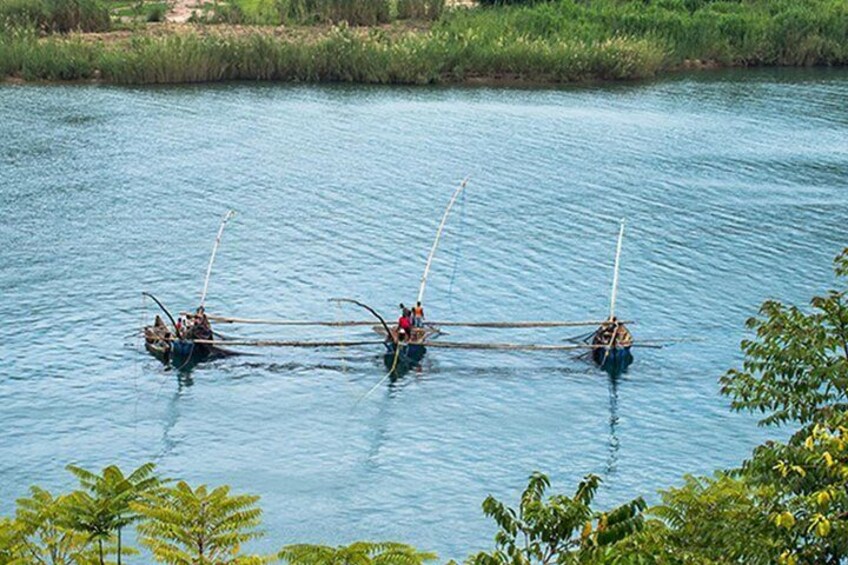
(305, 34)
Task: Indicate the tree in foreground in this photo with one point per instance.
(359, 553)
(796, 367)
(561, 529)
(102, 508)
(185, 526)
(788, 504)
(40, 533)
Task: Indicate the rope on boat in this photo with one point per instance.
(456, 194)
(386, 376)
(457, 252)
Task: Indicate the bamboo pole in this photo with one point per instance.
(276, 343)
(226, 320)
(510, 346)
(227, 216)
(456, 194)
(525, 346)
(484, 324)
(615, 271)
(529, 324)
(434, 344)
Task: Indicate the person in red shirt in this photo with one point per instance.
(404, 325)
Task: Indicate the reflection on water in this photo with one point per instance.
(612, 459)
(732, 185)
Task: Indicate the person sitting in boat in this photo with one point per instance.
(607, 332)
(612, 333)
(622, 335)
(418, 315)
(201, 329)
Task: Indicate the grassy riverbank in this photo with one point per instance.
(558, 41)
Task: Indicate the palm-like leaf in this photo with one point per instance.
(185, 526)
(358, 553)
(102, 507)
(41, 534)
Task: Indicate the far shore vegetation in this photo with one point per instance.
(786, 505)
(411, 41)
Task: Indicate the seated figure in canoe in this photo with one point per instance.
(158, 338)
(178, 345)
(197, 326)
(405, 342)
(410, 326)
(612, 343)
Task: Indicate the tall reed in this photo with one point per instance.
(342, 55)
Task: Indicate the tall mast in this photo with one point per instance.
(227, 216)
(456, 194)
(615, 272)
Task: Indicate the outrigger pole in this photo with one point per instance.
(227, 216)
(344, 323)
(437, 344)
(456, 194)
(615, 271)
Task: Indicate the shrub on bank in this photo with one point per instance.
(55, 15)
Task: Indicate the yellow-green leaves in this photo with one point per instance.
(784, 520)
(828, 459)
(787, 558)
(820, 524)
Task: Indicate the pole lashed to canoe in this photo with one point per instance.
(346, 323)
(227, 216)
(615, 270)
(436, 344)
(456, 194)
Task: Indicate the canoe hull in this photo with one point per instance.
(409, 356)
(182, 354)
(613, 359)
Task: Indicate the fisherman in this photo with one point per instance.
(203, 330)
(605, 334)
(200, 317)
(404, 325)
(418, 315)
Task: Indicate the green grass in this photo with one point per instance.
(557, 41)
(340, 55)
(741, 32)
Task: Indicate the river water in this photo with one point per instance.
(733, 186)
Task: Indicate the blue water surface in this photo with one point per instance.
(733, 185)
